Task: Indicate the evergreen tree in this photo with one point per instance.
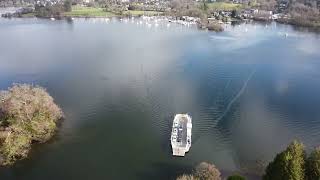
(288, 165)
(313, 165)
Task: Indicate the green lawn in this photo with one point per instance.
(80, 11)
(88, 12)
(28, 15)
(224, 6)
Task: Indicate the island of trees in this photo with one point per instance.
(28, 115)
(291, 164)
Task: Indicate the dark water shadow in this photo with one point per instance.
(155, 171)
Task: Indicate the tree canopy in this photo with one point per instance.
(313, 165)
(207, 171)
(288, 165)
(28, 114)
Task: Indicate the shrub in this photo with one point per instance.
(313, 165)
(212, 26)
(28, 114)
(288, 165)
(186, 177)
(236, 177)
(206, 171)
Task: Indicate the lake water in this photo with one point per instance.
(250, 91)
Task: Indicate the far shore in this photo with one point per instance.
(98, 12)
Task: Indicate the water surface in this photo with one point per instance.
(250, 91)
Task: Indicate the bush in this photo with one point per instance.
(313, 165)
(206, 171)
(236, 177)
(186, 177)
(28, 114)
(212, 26)
(288, 165)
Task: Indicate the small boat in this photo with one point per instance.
(181, 134)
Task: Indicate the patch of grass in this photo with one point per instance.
(28, 15)
(223, 6)
(79, 11)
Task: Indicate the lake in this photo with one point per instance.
(250, 90)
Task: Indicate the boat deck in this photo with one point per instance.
(181, 134)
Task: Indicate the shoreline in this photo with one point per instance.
(311, 28)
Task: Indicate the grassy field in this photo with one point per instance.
(28, 15)
(88, 12)
(80, 11)
(224, 6)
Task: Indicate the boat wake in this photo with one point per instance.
(225, 112)
(237, 96)
(223, 38)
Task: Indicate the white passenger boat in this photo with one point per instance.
(181, 134)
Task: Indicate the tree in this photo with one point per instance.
(49, 10)
(206, 171)
(235, 13)
(67, 5)
(313, 165)
(288, 165)
(236, 177)
(204, 5)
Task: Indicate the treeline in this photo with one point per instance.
(300, 12)
(53, 10)
(294, 164)
(291, 164)
(304, 13)
(16, 3)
